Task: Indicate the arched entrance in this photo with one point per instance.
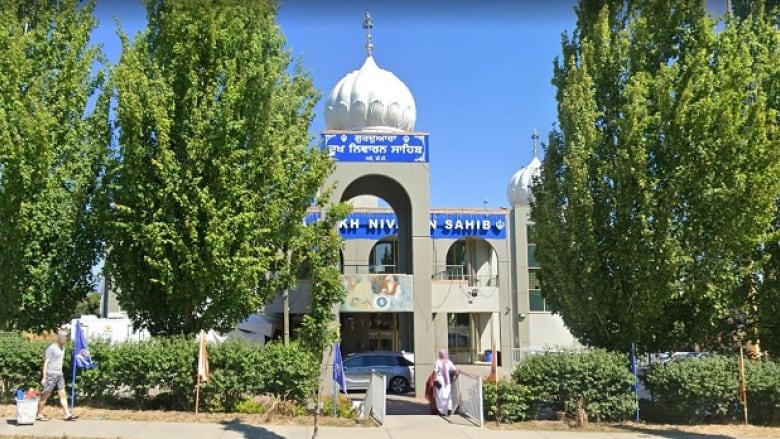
(378, 311)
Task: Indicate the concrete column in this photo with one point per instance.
(506, 314)
(425, 334)
(519, 220)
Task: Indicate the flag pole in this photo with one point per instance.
(73, 372)
(335, 398)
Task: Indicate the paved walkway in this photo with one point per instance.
(397, 427)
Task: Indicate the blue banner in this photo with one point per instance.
(81, 355)
(388, 148)
(444, 225)
(338, 369)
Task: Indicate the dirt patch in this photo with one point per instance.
(98, 414)
(711, 431)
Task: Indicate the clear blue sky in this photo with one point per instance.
(479, 71)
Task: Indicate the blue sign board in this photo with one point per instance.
(388, 148)
(444, 225)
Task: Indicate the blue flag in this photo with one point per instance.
(81, 355)
(338, 369)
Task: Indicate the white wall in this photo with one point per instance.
(548, 331)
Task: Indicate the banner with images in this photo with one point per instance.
(378, 292)
(444, 225)
(388, 148)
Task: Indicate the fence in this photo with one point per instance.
(375, 404)
(467, 395)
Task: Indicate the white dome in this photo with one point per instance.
(370, 99)
(519, 190)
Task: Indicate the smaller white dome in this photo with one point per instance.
(370, 99)
(519, 190)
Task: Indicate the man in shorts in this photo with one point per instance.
(53, 378)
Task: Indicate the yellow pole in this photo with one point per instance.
(197, 396)
(742, 384)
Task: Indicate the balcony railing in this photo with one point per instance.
(456, 273)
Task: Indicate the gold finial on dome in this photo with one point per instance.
(368, 24)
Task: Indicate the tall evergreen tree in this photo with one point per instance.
(659, 183)
(53, 144)
(214, 171)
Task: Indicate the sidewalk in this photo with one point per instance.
(397, 427)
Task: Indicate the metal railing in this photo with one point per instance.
(375, 404)
(467, 393)
(455, 273)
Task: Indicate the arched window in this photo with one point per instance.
(384, 256)
(472, 259)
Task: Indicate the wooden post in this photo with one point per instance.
(742, 384)
(197, 395)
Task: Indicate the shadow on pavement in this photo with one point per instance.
(250, 431)
(672, 433)
(405, 405)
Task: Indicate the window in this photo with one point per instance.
(353, 362)
(459, 330)
(456, 260)
(384, 257)
(533, 280)
(383, 361)
(530, 231)
(537, 302)
(532, 262)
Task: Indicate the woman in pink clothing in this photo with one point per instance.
(445, 374)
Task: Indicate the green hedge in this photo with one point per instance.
(601, 379)
(160, 373)
(20, 364)
(699, 389)
(506, 402)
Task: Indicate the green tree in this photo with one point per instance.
(743, 8)
(53, 146)
(659, 183)
(214, 171)
(319, 250)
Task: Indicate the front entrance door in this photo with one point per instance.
(383, 332)
(368, 332)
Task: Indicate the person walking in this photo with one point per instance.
(53, 378)
(444, 373)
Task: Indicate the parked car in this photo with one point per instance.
(397, 367)
(679, 356)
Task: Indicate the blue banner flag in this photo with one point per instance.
(338, 369)
(82, 357)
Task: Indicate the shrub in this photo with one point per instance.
(695, 388)
(254, 406)
(507, 402)
(20, 364)
(706, 388)
(558, 380)
(160, 373)
(763, 391)
(344, 407)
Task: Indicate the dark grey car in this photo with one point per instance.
(397, 367)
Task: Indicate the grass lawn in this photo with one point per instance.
(8, 411)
